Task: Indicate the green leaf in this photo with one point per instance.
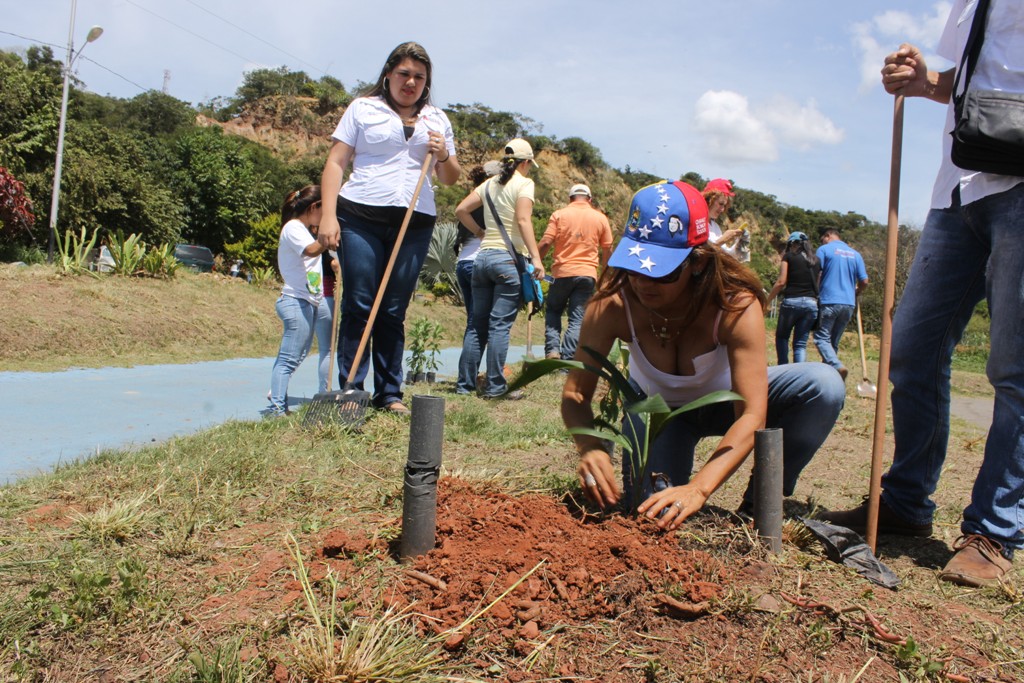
(614, 437)
(615, 377)
(532, 371)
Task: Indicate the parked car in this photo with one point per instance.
(198, 258)
(101, 260)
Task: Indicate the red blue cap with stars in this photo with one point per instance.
(666, 221)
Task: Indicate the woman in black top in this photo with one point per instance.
(798, 281)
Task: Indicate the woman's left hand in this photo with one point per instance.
(436, 145)
(677, 502)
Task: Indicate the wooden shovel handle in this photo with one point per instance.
(885, 344)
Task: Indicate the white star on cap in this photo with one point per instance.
(663, 196)
(635, 250)
(647, 263)
(645, 231)
(657, 221)
(663, 207)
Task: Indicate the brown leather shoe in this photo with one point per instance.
(978, 562)
(888, 521)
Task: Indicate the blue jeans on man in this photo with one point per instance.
(566, 295)
(966, 253)
(796, 317)
(365, 250)
(804, 400)
(496, 295)
(298, 317)
(832, 322)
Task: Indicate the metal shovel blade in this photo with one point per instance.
(346, 408)
(865, 389)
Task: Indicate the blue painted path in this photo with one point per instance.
(56, 417)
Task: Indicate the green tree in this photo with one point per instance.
(219, 185)
(582, 153)
(486, 130)
(30, 93)
(259, 247)
(113, 180)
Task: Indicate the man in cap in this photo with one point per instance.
(581, 237)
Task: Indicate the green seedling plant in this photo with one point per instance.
(424, 346)
(652, 411)
(73, 253)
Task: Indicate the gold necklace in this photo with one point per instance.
(662, 332)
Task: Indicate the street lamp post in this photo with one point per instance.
(93, 34)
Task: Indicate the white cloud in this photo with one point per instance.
(884, 32)
(729, 130)
(802, 127)
(733, 131)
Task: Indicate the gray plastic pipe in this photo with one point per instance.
(768, 487)
(419, 500)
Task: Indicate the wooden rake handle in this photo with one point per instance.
(427, 163)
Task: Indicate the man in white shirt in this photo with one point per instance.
(972, 248)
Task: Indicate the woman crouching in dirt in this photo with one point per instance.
(693, 322)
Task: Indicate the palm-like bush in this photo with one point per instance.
(73, 253)
(439, 265)
(127, 252)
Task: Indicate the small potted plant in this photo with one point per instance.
(424, 347)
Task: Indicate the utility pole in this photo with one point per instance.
(167, 79)
(94, 33)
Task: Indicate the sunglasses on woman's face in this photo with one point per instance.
(664, 279)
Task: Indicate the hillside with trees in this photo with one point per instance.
(214, 173)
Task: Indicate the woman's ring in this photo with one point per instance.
(588, 479)
(678, 504)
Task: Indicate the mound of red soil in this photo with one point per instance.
(576, 568)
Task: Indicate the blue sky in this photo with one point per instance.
(782, 97)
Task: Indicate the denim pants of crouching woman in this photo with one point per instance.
(966, 253)
(299, 318)
(804, 400)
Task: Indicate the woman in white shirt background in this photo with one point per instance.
(298, 260)
(385, 135)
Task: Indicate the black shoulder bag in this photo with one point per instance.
(530, 291)
(988, 130)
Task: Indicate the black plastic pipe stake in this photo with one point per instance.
(768, 487)
(422, 467)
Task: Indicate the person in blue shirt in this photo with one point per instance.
(843, 278)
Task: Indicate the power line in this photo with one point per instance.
(123, 78)
(191, 32)
(79, 56)
(253, 35)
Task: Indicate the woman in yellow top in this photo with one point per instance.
(496, 283)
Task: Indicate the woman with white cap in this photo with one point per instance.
(798, 282)
(507, 201)
(693, 322)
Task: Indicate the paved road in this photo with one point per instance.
(56, 417)
(49, 418)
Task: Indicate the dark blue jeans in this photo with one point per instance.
(464, 275)
(967, 253)
(832, 322)
(796, 318)
(365, 250)
(566, 294)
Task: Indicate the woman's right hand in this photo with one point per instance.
(329, 234)
(597, 476)
(538, 268)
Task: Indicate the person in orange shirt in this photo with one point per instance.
(580, 235)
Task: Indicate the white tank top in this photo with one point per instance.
(711, 370)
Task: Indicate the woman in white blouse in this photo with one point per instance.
(385, 135)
